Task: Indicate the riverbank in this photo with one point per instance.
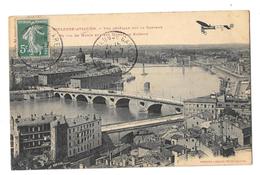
(140, 65)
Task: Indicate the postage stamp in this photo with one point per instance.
(39, 45)
(32, 36)
(115, 47)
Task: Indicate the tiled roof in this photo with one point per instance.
(34, 120)
(79, 120)
(150, 145)
(178, 148)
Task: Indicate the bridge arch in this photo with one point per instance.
(178, 109)
(81, 98)
(57, 95)
(67, 97)
(99, 100)
(123, 102)
(155, 108)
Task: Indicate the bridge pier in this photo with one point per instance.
(150, 107)
(90, 99)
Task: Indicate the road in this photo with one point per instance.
(117, 127)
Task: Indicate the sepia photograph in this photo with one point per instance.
(127, 90)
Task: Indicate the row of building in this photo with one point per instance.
(82, 74)
(63, 138)
(69, 77)
(215, 105)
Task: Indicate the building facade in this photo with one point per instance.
(63, 138)
(105, 79)
(83, 135)
(31, 135)
(238, 132)
(52, 78)
(200, 105)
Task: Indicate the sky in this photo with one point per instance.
(178, 28)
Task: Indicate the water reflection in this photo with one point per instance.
(166, 82)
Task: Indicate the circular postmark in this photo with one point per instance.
(39, 45)
(116, 48)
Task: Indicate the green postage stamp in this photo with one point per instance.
(32, 38)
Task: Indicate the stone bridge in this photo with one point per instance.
(117, 99)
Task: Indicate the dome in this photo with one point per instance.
(80, 56)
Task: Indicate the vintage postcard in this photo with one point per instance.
(130, 90)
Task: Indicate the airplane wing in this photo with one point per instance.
(203, 24)
(227, 27)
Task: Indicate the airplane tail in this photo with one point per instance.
(229, 27)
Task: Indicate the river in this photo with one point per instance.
(166, 82)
